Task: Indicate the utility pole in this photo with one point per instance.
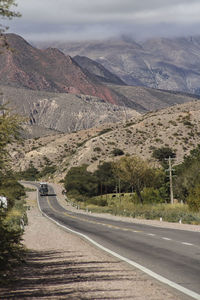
(119, 191)
(170, 180)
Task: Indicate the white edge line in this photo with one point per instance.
(188, 244)
(130, 262)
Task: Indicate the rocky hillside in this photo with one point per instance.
(96, 69)
(152, 99)
(177, 127)
(50, 70)
(48, 113)
(169, 64)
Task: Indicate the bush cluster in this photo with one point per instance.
(12, 221)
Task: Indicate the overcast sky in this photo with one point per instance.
(90, 19)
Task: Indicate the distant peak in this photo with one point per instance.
(12, 37)
(54, 51)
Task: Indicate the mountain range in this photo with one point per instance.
(58, 93)
(79, 111)
(49, 70)
(161, 63)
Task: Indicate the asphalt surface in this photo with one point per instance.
(173, 254)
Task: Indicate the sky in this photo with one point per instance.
(44, 20)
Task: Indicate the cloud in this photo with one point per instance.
(92, 18)
(87, 11)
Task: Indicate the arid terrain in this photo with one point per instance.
(177, 127)
(99, 150)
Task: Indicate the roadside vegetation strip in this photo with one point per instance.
(114, 226)
(125, 206)
(158, 277)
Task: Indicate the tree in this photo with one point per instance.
(188, 176)
(163, 153)
(105, 177)
(81, 181)
(136, 172)
(10, 230)
(10, 126)
(193, 199)
(117, 152)
(6, 12)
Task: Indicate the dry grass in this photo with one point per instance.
(177, 127)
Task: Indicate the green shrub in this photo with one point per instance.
(11, 249)
(151, 195)
(105, 131)
(81, 181)
(100, 201)
(31, 173)
(48, 170)
(97, 149)
(193, 199)
(117, 152)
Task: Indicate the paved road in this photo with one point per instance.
(174, 254)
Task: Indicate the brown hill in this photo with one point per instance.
(49, 70)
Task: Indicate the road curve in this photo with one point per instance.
(169, 253)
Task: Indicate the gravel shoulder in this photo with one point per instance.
(60, 265)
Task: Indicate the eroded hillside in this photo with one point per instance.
(177, 127)
(47, 112)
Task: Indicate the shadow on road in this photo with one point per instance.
(50, 275)
(52, 194)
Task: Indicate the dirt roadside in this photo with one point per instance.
(60, 265)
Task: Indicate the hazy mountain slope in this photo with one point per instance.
(177, 127)
(49, 70)
(170, 64)
(96, 69)
(153, 99)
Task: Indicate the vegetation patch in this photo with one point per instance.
(117, 152)
(105, 131)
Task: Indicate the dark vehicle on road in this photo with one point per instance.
(43, 189)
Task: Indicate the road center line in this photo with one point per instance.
(91, 221)
(188, 244)
(131, 262)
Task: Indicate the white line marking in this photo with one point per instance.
(188, 244)
(152, 234)
(131, 262)
(167, 239)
